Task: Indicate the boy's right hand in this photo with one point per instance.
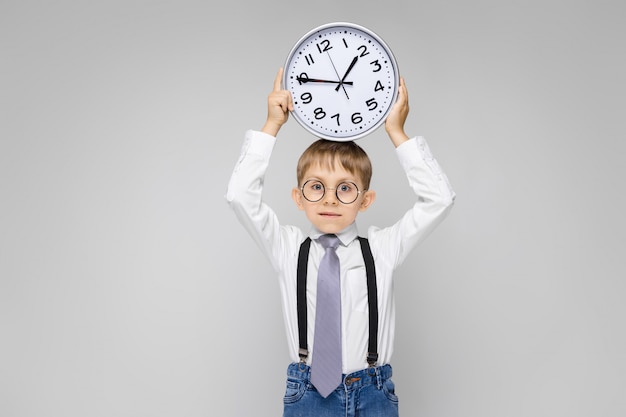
(279, 104)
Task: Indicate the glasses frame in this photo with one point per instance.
(358, 192)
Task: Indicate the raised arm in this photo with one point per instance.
(245, 189)
(434, 195)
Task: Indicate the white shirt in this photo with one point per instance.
(390, 246)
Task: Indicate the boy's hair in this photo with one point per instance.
(328, 153)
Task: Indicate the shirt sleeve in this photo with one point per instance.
(244, 196)
(434, 200)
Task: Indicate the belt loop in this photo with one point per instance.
(379, 378)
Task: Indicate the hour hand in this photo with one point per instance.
(347, 72)
(303, 80)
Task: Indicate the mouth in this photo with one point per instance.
(329, 214)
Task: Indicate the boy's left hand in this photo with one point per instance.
(394, 125)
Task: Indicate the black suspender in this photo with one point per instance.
(303, 260)
(372, 299)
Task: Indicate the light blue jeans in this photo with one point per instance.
(366, 393)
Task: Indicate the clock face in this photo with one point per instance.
(343, 79)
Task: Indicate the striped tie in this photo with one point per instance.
(326, 361)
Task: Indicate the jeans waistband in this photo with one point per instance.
(368, 376)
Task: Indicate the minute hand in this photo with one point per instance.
(347, 72)
(315, 80)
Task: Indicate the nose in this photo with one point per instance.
(330, 197)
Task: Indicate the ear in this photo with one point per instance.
(368, 198)
(296, 195)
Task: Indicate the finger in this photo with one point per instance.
(402, 86)
(278, 80)
(404, 89)
(288, 102)
(402, 93)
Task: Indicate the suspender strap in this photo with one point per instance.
(372, 299)
(303, 260)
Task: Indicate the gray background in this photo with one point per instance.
(127, 287)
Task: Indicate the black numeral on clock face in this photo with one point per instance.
(377, 66)
(306, 98)
(302, 78)
(319, 113)
(336, 116)
(309, 59)
(363, 50)
(324, 46)
(379, 86)
(371, 104)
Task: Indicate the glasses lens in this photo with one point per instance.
(313, 190)
(347, 192)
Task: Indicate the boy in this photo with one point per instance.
(333, 187)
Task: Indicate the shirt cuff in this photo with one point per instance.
(258, 143)
(415, 148)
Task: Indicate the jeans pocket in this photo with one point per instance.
(294, 391)
(389, 388)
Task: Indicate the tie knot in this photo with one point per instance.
(328, 241)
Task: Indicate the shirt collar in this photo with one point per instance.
(346, 236)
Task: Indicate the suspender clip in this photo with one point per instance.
(303, 353)
(372, 358)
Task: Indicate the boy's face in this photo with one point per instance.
(329, 215)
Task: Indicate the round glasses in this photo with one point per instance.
(347, 192)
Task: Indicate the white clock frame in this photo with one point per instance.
(328, 90)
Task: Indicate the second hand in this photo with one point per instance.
(338, 77)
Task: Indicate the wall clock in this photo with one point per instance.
(343, 79)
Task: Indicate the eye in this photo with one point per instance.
(345, 187)
(317, 186)
(313, 186)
